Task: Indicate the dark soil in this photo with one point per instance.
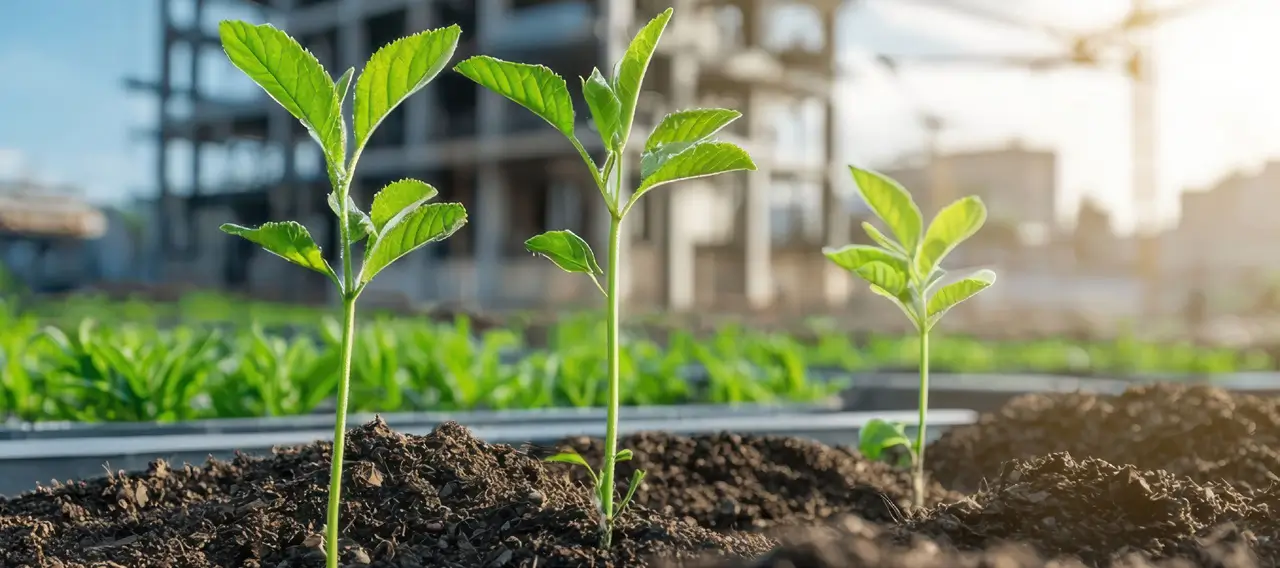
(731, 482)
(1204, 433)
(1169, 475)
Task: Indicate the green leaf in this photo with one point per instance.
(892, 204)
(573, 458)
(902, 300)
(288, 240)
(357, 222)
(344, 84)
(534, 87)
(637, 477)
(429, 223)
(567, 250)
(623, 455)
(887, 277)
(292, 76)
(397, 197)
(605, 108)
(634, 64)
(878, 435)
(650, 161)
(953, 224)
(690, 126)
(881, 239)
(853, 257)
(948, 296)
(397, 71)
(700, 160)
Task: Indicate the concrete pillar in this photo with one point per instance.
(418, 115)
(677, 253)
(757, 234)
(491, 233)
(837, 223)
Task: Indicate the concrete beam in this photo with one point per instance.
(837, 224)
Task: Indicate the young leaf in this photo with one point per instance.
(343, 85)
(292, 76)
(954, 224)
(892, 204)
(428, 223)
(605, 107)
(288, 240)
(877, 436)
(357, 223)
(567, 250)
(632, 67)
(624, 455)
(637, 477)
(892, 280)
(534, 87)
(853, 257)
(397, 71)
(396, 198)
(881, 239)
(700, 160)
(948, 296)
(902, 300)
(573, 458)
(690, 126)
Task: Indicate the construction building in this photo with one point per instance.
(703, 242)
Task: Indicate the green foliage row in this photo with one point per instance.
(122, 366)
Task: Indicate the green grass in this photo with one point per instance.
(123, 362)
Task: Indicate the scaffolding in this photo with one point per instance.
(514, 174)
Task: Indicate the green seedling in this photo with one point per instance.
(878, 437)
(400, 219)
(906, 269)
(680, 147)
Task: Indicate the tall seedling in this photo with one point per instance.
(906, 269)
(681, 147)
(400, 219)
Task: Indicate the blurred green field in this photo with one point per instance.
(93, 360)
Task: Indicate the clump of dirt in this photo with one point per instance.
(733, 482)
(445, 499)
(1201, 432)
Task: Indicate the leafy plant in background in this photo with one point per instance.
(681, 147)
(400, 219)
(908, 271)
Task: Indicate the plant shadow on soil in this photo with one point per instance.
(1160, 475)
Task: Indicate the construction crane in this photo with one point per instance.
(1090, 50)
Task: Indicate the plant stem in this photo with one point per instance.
(611, 426)
(349, 295)
(917, 473)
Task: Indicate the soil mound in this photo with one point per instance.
(445, 499)
(1204, 433)
(732, 482)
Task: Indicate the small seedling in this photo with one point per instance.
(400, 219)
(907, 271)
(681, 147)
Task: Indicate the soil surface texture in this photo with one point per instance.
(1161, 475)
(1204, 433)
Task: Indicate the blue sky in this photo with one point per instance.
(63, 107)
(65, 117)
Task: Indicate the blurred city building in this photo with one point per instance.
(52, 240)
(706, 242)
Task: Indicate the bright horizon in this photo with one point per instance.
(68, 119)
